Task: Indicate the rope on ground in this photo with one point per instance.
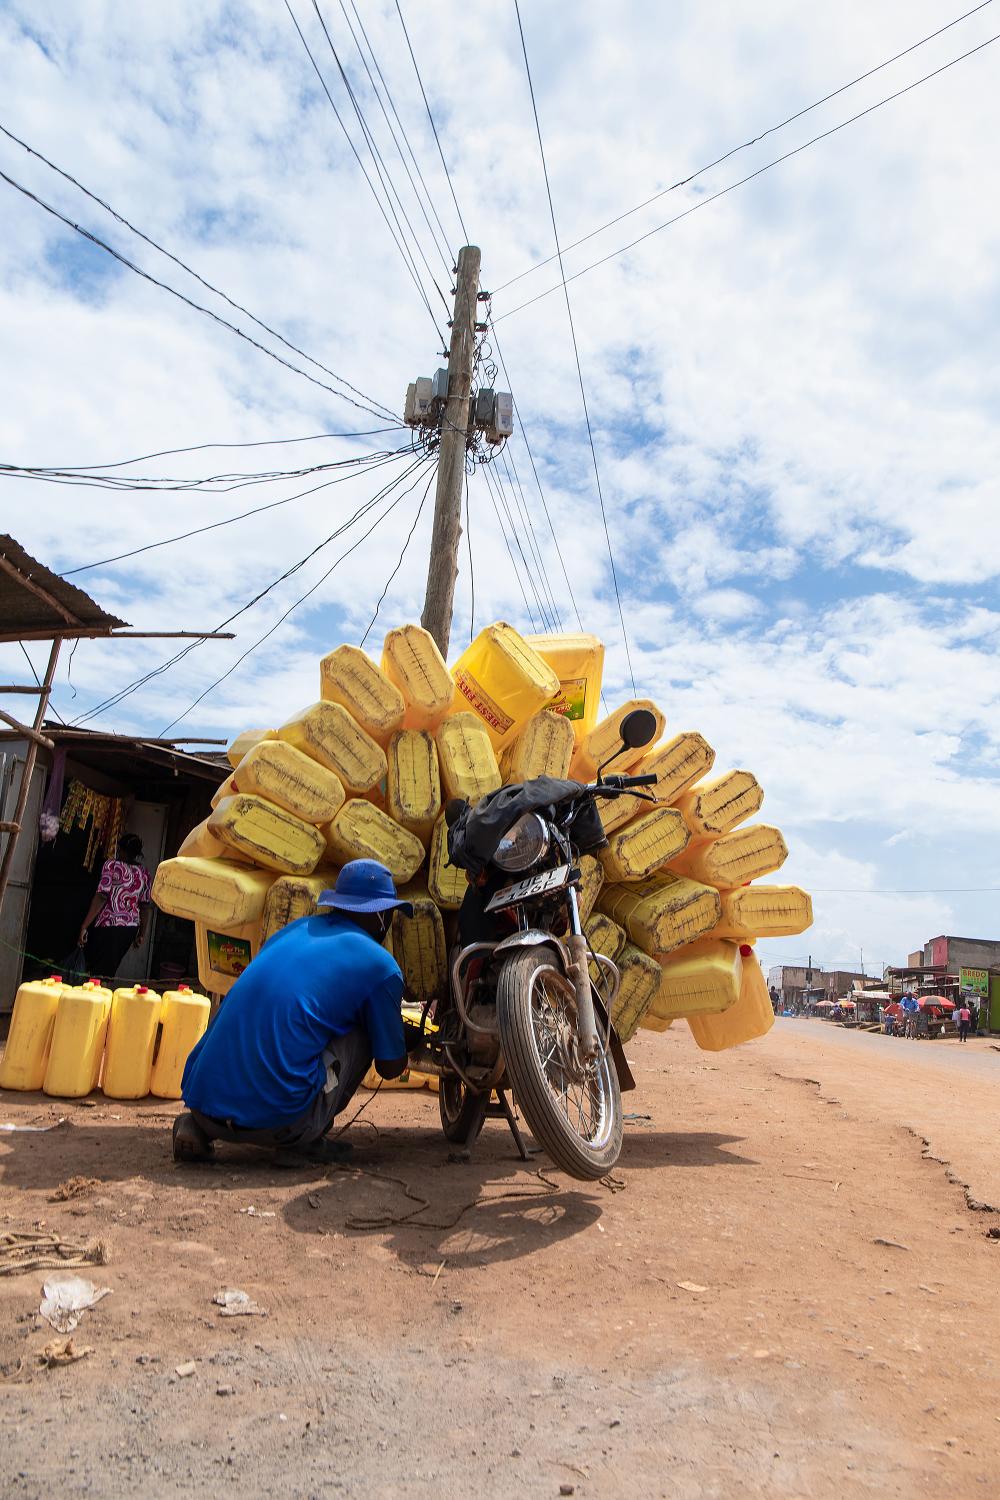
(390, 1221)
(34, 1250)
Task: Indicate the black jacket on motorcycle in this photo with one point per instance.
(475, 834)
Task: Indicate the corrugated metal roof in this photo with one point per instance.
(36, 601)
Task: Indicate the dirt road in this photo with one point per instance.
(780, 1293)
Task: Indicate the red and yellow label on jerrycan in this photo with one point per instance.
(27, 1051)
(503, 681)
(184, 1018)
(128, 1058)
(78, 1035)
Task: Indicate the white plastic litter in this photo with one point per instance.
(236, 1304)
(66, 1298)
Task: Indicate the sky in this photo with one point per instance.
(793, 391)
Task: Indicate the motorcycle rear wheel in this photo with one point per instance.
(578, 1122)
(462, 1115)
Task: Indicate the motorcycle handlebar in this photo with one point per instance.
(623, 783)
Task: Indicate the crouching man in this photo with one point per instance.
(300, 1028)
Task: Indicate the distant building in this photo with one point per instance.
(954, 953)
(839, 983)
(792, 980)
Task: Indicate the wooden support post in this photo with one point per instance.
(28, 769)
(442, 569)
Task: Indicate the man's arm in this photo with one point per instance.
(393, 1067)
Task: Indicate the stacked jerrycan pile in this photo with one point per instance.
(69, 1039)
(366, 771)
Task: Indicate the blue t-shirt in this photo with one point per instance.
(260, 1063)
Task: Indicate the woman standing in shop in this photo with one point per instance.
(119, 911)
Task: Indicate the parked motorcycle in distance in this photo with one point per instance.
(522, 1014)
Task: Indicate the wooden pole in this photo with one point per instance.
(442, 569)
(28, 769)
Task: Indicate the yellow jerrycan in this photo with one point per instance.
(503, 681)
(183, 1020)
(578, 662)
(78, 1035)
(348, 676)
(604, 740)
(676, 764)
(705, 980)
(543, 748)
(128, 1057)
(30, 1035)
(751, 1017)
(412, 662)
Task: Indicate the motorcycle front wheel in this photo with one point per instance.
(576, 1119)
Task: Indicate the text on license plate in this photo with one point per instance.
(534, 885)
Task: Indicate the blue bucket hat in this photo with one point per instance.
(364, 885)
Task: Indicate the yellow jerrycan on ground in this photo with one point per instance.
(128, 1057)
(78, 1035)
(184, 1018)
(27, 1051)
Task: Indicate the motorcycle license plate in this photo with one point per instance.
(535, 885)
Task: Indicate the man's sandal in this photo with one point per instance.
(191, 1144)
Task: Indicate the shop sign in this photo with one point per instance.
(977, 980)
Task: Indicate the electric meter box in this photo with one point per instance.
(440, 385)
(485, 400)
(418, 402)
(502, 425)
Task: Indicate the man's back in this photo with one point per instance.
(260, 1062)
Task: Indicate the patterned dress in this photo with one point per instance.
(126, 886)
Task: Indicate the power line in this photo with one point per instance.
(930, 890)
(437, 138)
(371, 405)
(208, 484)
(313, 437)
(745, 145)
(510, 552)
(538, 482)
(472, 571)
(444, 254)
(407, 261)
(500, 500)
(713, 197)
(292, 607)
(183, 536)
(384, 175)
(514, 482)
(399, 564)
(576, 351)
(157, 671)
(406, 138)
(164, 286)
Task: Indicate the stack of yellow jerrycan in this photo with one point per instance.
(367, 770)
(68, 1039)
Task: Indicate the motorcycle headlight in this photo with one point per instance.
(524, 844)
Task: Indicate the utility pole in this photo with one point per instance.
(442, 568)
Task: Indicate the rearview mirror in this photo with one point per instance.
(637, 729)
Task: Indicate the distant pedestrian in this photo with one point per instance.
(964, 1017)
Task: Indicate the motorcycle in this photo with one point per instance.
(523, 1015)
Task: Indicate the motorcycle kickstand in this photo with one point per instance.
(515, 1129)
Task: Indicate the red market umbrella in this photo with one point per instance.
(936, 1002)
(822, 1004)
(894, 1010)
(847, 1004)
